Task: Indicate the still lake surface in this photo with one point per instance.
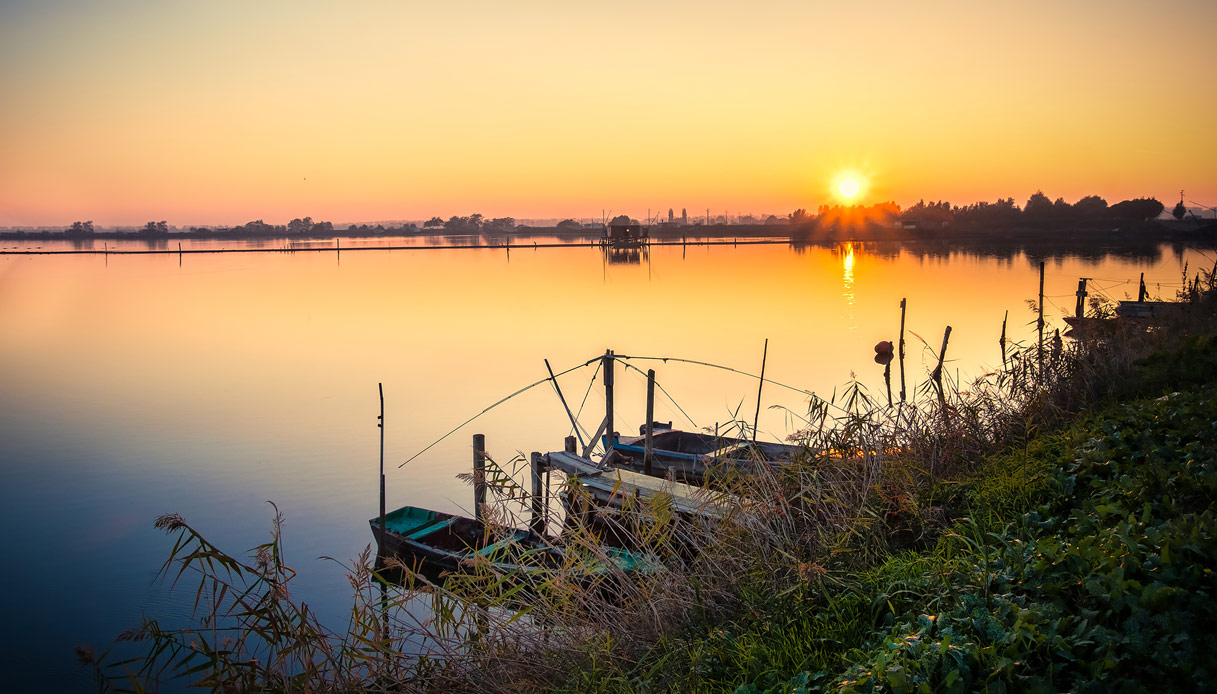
(207, 384)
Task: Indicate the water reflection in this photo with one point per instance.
(135, 387)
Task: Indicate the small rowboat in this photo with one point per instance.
(447, 542)
(688, 455)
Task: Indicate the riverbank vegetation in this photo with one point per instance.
(1049, 527)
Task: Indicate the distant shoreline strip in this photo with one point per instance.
(332, 249)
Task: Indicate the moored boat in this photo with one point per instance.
(688, 455)
(448, 542)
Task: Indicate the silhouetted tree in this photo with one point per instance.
(467, 225)
(799, 216)
(300, 226)
(622, 219)
(433, 222)
(323, 227)
(81, 228)
(931, 214)
(1002, 213)
(569, 225)
(500, 224)
(1180, 210)
(1137, 210)
(1038, 210)
(1090, 209)
(151, 228)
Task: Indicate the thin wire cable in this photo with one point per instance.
(720, 366)
(496, 404)
(665, 392)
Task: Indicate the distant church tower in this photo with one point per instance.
(671, 217)
(684, 217)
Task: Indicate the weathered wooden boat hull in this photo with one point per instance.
(437, 541)
(690, 456)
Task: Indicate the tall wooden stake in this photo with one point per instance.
(936, 376)
(1080, 309)
(1002, 342)
(650, 444)
(942, 355)
(1141, 291)
(1039, 325)
(479, 476)
(608, 403)
(566, 407)
(759, 386)
(380, 422)
(903, 307)
(538, 490)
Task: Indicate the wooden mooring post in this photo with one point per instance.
(609, 432)
(380, 423)
(649, 456)
(1039, 325)
(942, 355)
(539, 492)
(479, 477)
(1080, 309)
(903, 307)
(1001, 342)
(1141, 291)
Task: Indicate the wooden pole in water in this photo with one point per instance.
(380, 423)
(1039, 325)
(757, 417)
(1002, 342)
(538, 489)
(942, 354)
(650, 444)
(1141, 291)
(1080, 309)
(479, 476)
(608, 403)
(903, 307)
(566, 407)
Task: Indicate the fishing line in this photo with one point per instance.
(500, 402)
(664, 391)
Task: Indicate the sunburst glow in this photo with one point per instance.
(849, 186)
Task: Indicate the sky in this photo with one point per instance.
(222, 112)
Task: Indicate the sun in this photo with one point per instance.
(848, 186)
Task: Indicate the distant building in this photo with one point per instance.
(684, 217)
(671, 217)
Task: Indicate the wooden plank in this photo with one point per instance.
(611, 484)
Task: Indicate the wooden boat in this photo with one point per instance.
(447, 542)
(688, 455)
(613, 487)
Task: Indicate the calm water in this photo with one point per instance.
(207, 385)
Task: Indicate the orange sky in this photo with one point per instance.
(223, 112)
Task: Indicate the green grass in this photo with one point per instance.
(1082, 564)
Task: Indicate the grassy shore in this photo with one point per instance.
(1048, 528)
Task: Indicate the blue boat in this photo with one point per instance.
(447, 542)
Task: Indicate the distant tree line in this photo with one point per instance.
(473, 224)
(1040, 212)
